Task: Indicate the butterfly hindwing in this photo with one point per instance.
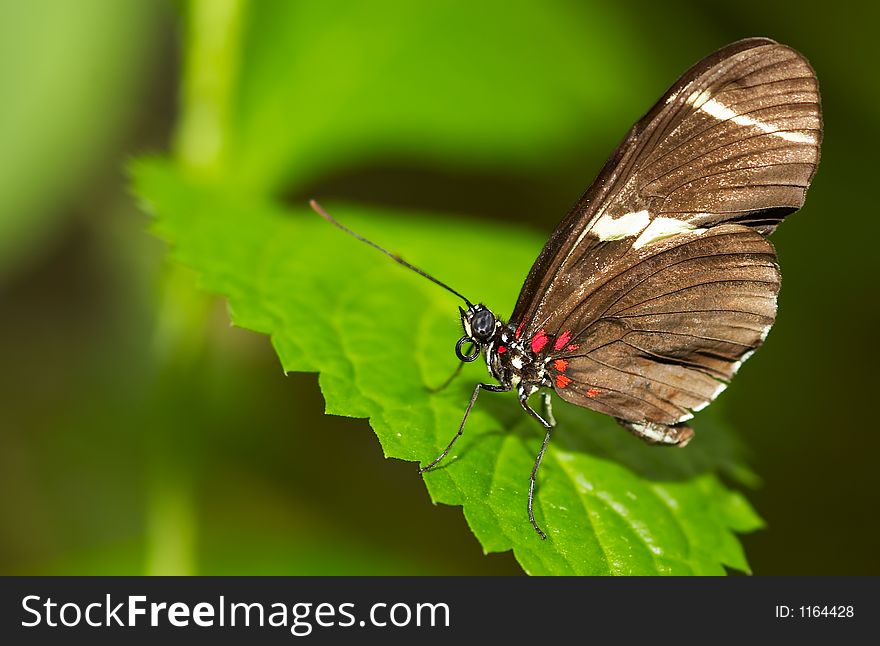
(668, 327)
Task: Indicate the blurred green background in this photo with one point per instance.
(140, 433)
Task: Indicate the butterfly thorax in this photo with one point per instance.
(513, 363)
(509, 360)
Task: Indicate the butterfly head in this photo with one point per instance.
(479, 325)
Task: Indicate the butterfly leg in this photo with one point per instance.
(549, 427)
(449, 380)
(548, 408)
(492, 388)
(678, 435)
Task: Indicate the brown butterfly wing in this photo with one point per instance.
(735, 139)
(663, 332)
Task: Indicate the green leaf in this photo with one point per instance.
(379, 334)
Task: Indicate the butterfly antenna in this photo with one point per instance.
(320, 211)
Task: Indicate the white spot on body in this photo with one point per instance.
(650, 431)
(662, 228)
(720, 111)
(627, 225)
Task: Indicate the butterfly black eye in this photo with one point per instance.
(483, 325)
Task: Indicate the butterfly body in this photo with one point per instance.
(510, 360)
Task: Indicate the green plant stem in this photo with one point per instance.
(213, 38)
(178, 346)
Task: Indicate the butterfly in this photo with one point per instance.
(660, 282)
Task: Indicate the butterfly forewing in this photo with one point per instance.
(659, 278)
(736, 138)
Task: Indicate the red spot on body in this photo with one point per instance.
(592, 392)
(539, 341)
(519, 329)
(572, 347)
(562, 381)
(564, 338)
(560, 365)
(501, 349)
